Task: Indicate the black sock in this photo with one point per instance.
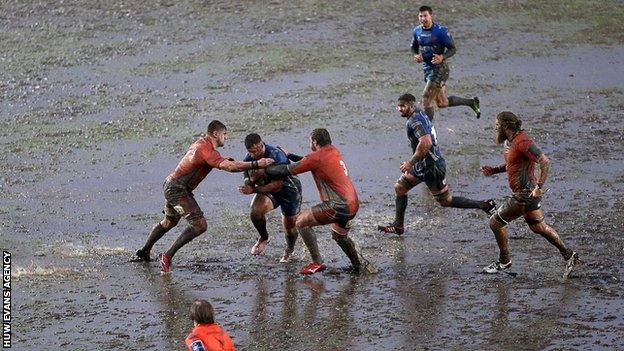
(187, 236)
(157, 232)
(458, 101)
(462, 202)
(309, 239)
(430, 111)
(401, 204)
(260, 225)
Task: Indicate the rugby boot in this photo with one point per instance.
(165, 263)
(496, 267)
(391, 228)
(475, 107)
(570, 263)
(312, 268)
(286, 256)
(141, 255)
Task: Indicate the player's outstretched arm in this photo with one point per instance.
(489, 171)
(230, 165)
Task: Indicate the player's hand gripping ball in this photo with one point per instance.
(257, 177)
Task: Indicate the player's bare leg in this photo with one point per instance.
(430, 94)
(535, 220)
(260, 206)
(291, 234)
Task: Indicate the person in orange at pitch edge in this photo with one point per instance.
(207, 335)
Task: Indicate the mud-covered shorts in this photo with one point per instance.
(180, 203)
(437, 74)
(517, 205)
(288, 199)
(335, 214)
(434, 176)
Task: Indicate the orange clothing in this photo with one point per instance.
(209, 337)
(331, 177)
(198, 161)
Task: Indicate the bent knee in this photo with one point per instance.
(495, 224)
(400, 189)
(169, 222)
(199, 225)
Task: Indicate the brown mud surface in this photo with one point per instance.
(99, 100)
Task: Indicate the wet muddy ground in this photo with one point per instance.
(101, 99)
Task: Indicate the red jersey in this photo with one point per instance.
(199, 160)
(331, 176)
(521, 154)
(209, 337)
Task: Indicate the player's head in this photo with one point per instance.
(217, 131)
(255, 146)
(318, 138)
(406, 105)
(202, 312)
(506, 121)
(425, 14)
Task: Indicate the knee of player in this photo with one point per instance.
(199, 225)
(169, 222)
(399, 189)
(494, 223)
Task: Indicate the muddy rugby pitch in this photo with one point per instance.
(99, 100)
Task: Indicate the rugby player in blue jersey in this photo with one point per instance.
(432, 46)
(426, 165)
(284, 193)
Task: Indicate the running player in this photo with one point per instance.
(426, 165)
(432, 46)
(198, 161)
(339, 200)
(520, 155)
(206, 334)
(285, 194)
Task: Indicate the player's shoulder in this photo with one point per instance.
(418, 118)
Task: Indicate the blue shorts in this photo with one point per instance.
(437, 74)
(289, 198)
(434, 176)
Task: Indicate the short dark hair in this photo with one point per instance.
(216, 126)
(509, 120)
(425, 8)
(321, 136)
(407, 98)
(202, 312)
(252, 139)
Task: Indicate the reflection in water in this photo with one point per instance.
(174, 314)
(531, 325)
(309, 317)
(421, 293)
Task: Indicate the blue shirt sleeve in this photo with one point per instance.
(415, 40)
(278, 155)
(445, 36)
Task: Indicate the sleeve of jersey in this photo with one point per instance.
(531, 151)
(308, 163)
(280, 158)
(414, 46)
(195, 345)
(213, 158)
(447, 39)
(419, 129)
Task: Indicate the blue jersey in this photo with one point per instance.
(434, 40)
(290, 182)
(419, 125)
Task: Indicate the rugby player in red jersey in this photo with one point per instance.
(201, 157)
(339, 200)
(520, 155)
